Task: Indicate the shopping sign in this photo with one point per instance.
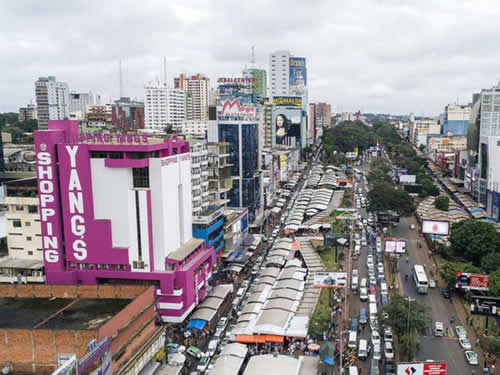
(426, 368)
(471, 281)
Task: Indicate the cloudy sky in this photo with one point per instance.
(375, 55)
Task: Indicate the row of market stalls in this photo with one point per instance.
(269, 314)
(239, 259)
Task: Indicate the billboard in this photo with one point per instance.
(407, 179)
(235, 108)
(350, 155)
(441, 228)
(298, 75)
(295, 101)
(395, 245)
(426, 368)
(330, 279)
(287, 125)
(471, 281)
(482, 305)
(401, 171)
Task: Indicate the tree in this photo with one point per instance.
(385, 197)
(376, 176)
(474, 239)
(408, 346)
(405, 317)
(494, 287)
(442, 202)
(381, 163)
(449, 269)
(490, 262)
(422, 148)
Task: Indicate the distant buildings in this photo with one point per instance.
(279, 73)
(260, 85)
(455, 120)
(99, 116)
(52, 100)
(421, 129)
(79, 103)
(193, 128)
(127, 114)
(28, 113)
(322, 115)
(197, 89)
(164, 106)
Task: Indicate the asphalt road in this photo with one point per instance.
(444, 348)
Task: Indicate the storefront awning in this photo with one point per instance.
(258, 339)
(198, 324)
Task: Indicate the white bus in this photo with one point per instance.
(420, 278)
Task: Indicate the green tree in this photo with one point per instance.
(376, 176)
(474, 239)
(385, 197)
(490, 262)
(494, 288)
(422, 148)
(442, 202)
(408, 346)
(381, 163)
(449, 269)
(405, 316)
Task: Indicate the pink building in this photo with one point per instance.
(116, 208)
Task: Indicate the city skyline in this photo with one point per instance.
(380, 56)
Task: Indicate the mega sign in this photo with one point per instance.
(235, 108)
(287, 100)
(435, 227)
(471, 281)
(427, 368)
(395, 245)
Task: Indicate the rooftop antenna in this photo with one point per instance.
(121, 79)
(165, 71)
(253, 55)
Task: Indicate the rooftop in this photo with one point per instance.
(186, 249)
(58, 313)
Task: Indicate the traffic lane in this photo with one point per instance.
(444, 349)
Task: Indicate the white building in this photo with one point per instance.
(420, 129)
(28, 113)
(199, 176)
(194, 128)
(52, 100)
(79, 103)
(163, 106)
(197, 89)
(279, 73)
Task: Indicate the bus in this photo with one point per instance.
(420, 278)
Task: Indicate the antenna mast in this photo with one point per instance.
(253, 55)
(121, 79)
(165, 71)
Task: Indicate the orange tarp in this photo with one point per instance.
(258, 339)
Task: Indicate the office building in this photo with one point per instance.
(279, 73)
(164, 107)
(197, 89)
(421, 129)
(79, 103)
(194, 128)
(259, 86)
(322, 115)
(138, 231)
(127, 114)
(28, 113)
(311, 123)
(455, 120)
(52, 100)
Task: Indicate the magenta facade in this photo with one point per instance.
(79, 248)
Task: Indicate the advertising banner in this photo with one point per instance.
(330, 279)
(295, 101)
(407, 179)
(350, 155)
(235, 108)
(298, 75)
(435, 227)
(471, 281)
(400, 172)
(427, 368)
(287, 125)
(395, 245)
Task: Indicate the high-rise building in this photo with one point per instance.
(127, 114)
(421, 129)
(455, 120)
(52, 100)
(322, 115)
(164, 106)
(312, 121)
(197, 89)
(279, 73)
(138, 231)
(28, 113)
(260, 85)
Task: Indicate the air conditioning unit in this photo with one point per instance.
(139, 264)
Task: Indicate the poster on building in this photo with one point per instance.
(287, 125)
(330, 280)
(298, 76)
(295, 101)
(395, 245)
(471, 281)
(407, 179)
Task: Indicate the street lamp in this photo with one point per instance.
(409, 300)
(342, 350)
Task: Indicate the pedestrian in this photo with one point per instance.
(492, 369)
(477, 341)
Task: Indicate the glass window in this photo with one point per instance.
(16, 223)
(33, 209)
(116, 155)
(138, 155)
(19, 207)
(98, 155)
(141, 177)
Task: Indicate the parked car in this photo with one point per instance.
(222, 323)
(471, 357)
(388, 351)
(388, 334)
(446, 292)
(362, 316)
(465, 343)
(375, 337)
(461, 333)
(193, 351)
(377, 353)
(212, 347)
(363, 294)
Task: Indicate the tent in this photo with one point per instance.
(327, 353)
(197, 324)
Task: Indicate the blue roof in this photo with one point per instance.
(234, 256)
(327, 359)
(198, 324)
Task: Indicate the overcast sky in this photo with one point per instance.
(376, 55)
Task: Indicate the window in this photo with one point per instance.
(141, 177)
(30, 252)
(98, 155)
(19, 207)
(33, 209)
(28, 238)
(16, 223)
(27, 224)
(116, 155)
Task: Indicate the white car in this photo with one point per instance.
(363, 294)
(380, 267)
(363, 242)
(471, 357)
(222, 323)
(377, 354)
(465, 343)
(388, 334)
(373, 281)
(461, 333)
(355, 273)
(375, 337)
(212, 347)
(388, 351)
